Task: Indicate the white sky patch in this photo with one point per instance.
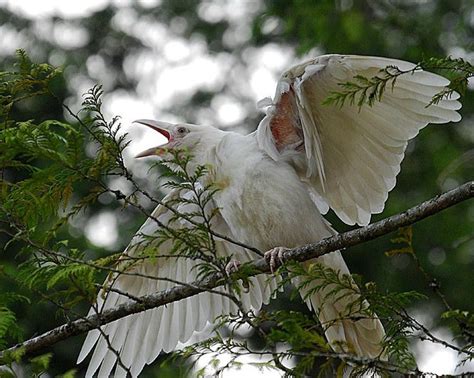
(149, 3)
(436, 358)
(69, 36)
(273, 57)
(47, 8)
(127, 106)
(126, 19)
(231, 10)
(266, 64)
(438, 361)
(122, 3)
(181, 81)
(177, 50)
(81, 83)
(96, 67)
(151, 33)
(229, 110)
(101, 229)
(174, 69)
(270, 24)
(121, 184)
(10, 39)
(262, 83)
(141, 65)
(43, 29)
(131, 108)
(211, 12)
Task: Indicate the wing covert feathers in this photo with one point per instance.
(351, 155)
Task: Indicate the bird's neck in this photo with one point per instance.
(205, 152)
(221, 153)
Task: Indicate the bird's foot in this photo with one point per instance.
(232, 267)
(274, 257)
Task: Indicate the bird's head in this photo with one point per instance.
(180, 136)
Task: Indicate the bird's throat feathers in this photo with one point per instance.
(206, 152)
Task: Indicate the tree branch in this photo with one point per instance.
(40, 343)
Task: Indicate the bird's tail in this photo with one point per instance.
(348, 326)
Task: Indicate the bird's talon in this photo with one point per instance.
(232, 267)
(275, 257)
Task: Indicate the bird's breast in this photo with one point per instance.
(266, 205)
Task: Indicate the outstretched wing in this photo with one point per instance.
(138, 339)
(350, 156)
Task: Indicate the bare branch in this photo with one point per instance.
(40, 343)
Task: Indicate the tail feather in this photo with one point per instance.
(347, 330)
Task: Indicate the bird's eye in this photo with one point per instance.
(182, 130)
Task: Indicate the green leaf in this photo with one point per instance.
(41, 363)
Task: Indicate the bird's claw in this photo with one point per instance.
(274, 257)
(232, 267)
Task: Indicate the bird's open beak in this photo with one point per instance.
(164, 128)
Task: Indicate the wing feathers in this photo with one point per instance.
(139, 338)
(352, 155)
(434, 113)
(424, 98)
(131, 344)
(154, 341)
(168, 313)
(99, 352)
(89, 342)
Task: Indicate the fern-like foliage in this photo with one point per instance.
(364, 90)
(459, 71)
(42, 165)
(28, 80)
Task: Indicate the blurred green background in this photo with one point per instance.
(208, 62)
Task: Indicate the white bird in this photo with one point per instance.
(276, 184)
